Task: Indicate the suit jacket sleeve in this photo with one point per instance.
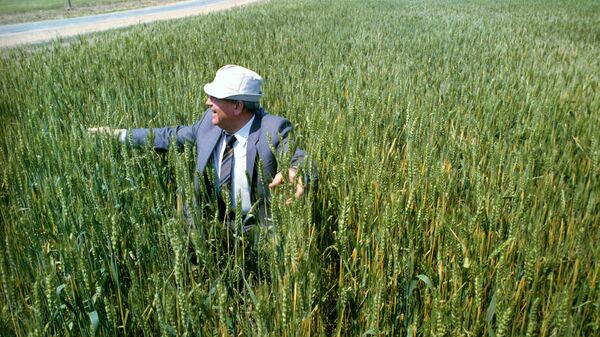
(299, 158)
(284, 146)
(163, 137)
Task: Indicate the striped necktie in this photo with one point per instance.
(226, 163)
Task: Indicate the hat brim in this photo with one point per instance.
(212, 90)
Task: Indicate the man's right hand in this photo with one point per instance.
(279, 180)
(105, 130)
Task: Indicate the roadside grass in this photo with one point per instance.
(14, 11)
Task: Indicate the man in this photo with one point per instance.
(232, 137)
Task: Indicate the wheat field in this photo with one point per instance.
(458, 154)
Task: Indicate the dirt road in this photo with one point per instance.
(35, 32)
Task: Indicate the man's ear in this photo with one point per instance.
(239, 108)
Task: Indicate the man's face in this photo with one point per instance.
(225, 112)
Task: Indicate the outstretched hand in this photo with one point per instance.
(279, 180)
(106, 130)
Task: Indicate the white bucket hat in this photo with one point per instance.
(236, 83)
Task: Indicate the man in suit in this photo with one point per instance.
(233, 135)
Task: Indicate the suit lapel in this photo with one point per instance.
(253, 138)
(207, 146)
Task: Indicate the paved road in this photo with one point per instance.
(33, 32)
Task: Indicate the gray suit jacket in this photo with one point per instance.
(266, 129)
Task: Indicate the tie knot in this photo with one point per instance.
(229, 139)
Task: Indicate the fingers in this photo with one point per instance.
(105, 130)
(299, 184)
(292, 173)
(278, 180)
(299, 188)
(101, 130)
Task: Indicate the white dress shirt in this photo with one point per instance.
(240, 186)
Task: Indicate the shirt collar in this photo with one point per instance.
(242, 134)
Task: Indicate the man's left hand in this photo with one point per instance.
(279, 180)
